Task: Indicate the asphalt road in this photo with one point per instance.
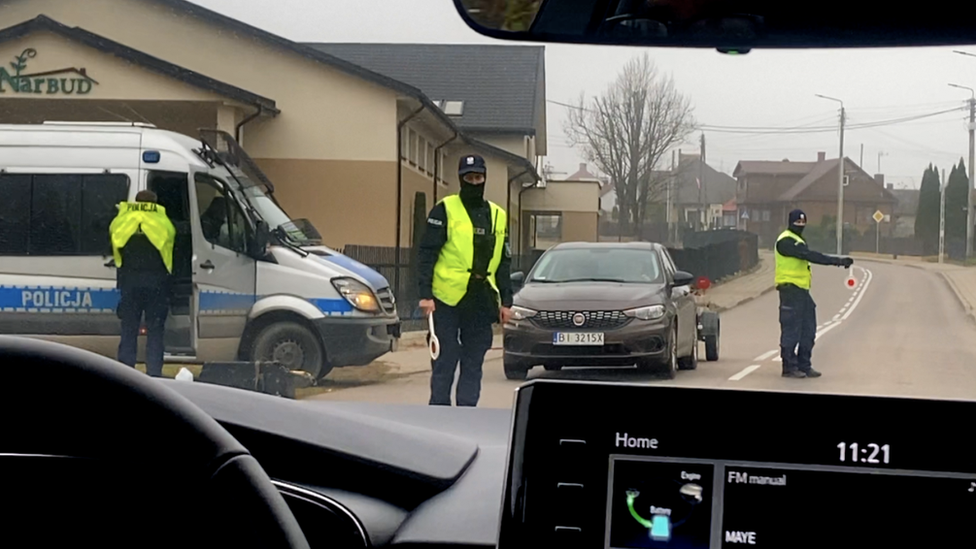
(900, 332)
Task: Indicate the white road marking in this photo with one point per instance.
(748, 370)
(764, 356)
(822, 329)
(860, 294)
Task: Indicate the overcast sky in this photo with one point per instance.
(761, 89)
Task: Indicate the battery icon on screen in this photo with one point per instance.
(660, 528)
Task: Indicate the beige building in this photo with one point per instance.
(348, 146)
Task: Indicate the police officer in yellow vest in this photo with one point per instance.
(142, 243)
(465, 282)
(797, 311)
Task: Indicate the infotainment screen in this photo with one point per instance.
(674, 503)
(614, 466)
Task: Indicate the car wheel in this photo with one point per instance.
(670, 369)
(711, 347)
(690, 362)
(293, 346)
(515, 370)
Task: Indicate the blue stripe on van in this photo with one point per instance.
(56, 299)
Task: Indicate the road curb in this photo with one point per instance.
(966, 306)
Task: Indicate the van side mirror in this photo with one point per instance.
(682, 278)
(518, 280)
(262, 237)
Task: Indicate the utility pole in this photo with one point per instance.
(861, 163)
(880, 154)
(671, 181)
(942, 186)
(972, 169)
(702, 213)
(840, 178)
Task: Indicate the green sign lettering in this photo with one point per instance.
(54, 82)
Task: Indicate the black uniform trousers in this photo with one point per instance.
(138, 299)
(465, 335)
(798, 327)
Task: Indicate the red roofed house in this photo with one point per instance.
(768, 190)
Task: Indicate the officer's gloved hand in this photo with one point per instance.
(846, 262)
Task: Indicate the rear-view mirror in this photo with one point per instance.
(518, 279)
(262, 238)
(731, 26)
(682, 278)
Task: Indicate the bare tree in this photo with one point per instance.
(628, 130)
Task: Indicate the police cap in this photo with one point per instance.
(471, 163)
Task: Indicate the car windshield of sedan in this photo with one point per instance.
(598, 265)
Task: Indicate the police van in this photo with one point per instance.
(249, 283)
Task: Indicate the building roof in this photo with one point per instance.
(819, 170)
(772, 167)
(499, 85)
(138, 58)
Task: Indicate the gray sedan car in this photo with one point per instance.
(603, 304)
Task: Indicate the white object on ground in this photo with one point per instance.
(184, 375)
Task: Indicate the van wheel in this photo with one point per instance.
(293, 346)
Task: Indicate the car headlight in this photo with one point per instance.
(357, 294)
(521, 313)
(652, 312)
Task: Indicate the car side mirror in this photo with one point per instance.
(262, 237)
(682, 278)
(518, 280)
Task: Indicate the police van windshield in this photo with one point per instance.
(301, 231)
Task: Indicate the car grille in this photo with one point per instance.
(387, 301)
(602, 320)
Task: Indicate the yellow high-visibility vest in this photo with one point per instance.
(151, 219)
(453, 269)
(791, 270)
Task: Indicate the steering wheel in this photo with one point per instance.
(155, 454)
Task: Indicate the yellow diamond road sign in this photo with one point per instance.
(878, 216)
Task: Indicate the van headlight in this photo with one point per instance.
(652, 312)
(357, 294)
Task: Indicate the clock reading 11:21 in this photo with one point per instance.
(869, 453)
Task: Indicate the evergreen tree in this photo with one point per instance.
(927, 215)
(955, 203)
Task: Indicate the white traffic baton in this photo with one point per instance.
(433, 344)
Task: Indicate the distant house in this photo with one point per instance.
(703, 194)
(903, 218)
(768, 190)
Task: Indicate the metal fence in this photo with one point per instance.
(713, 254)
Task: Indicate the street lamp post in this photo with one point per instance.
(972, 169)
(840, 178)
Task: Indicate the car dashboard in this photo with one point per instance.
(601, 465)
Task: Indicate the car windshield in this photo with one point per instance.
(535, 202)
(598, 265)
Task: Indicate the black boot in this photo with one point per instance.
(793, 373)
(810, 372)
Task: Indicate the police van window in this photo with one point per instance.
(221, 219)
(59, 214)
(100, 194)
(14, 214)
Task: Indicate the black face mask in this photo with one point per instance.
(471, 193)
(798, 229)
